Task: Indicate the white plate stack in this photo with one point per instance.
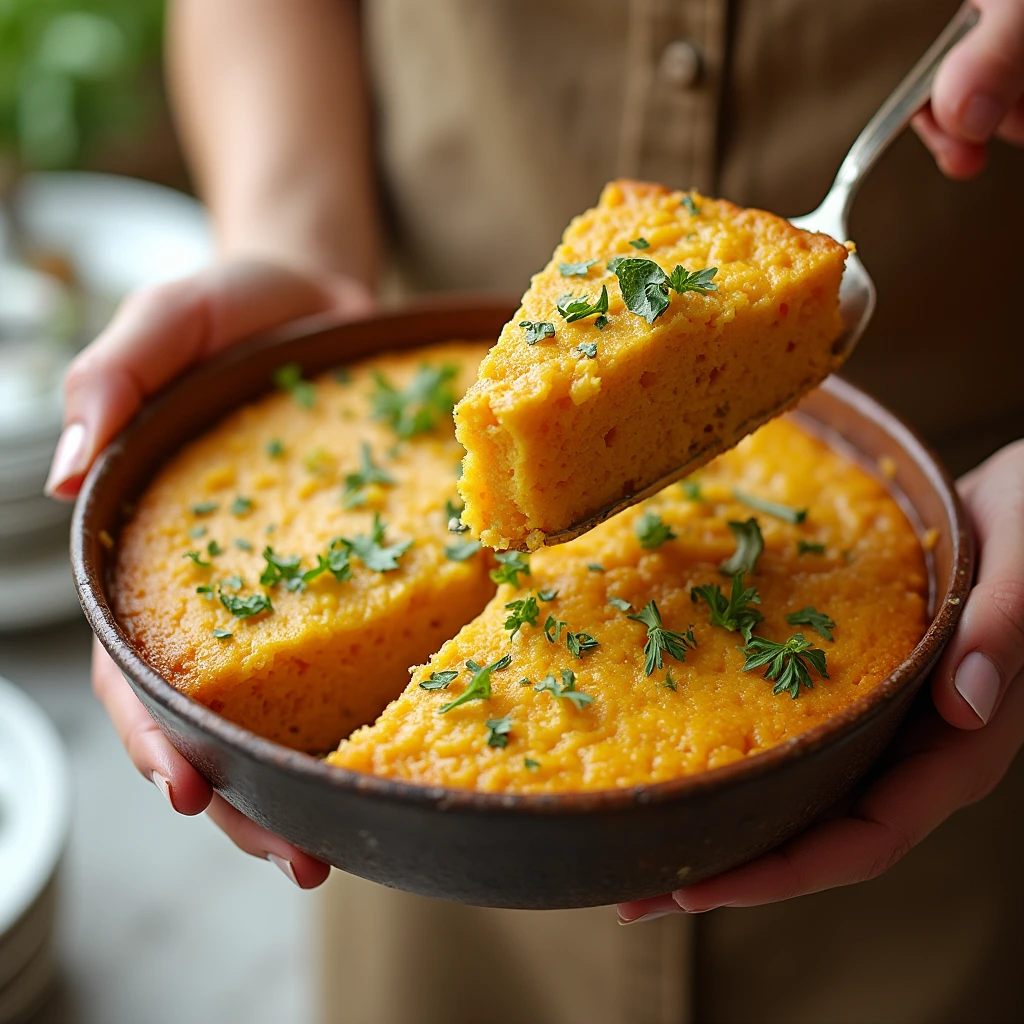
(34, 814)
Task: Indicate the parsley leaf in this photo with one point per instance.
(221, 634)
(336, 562)
(439, 680)
(734, 613)
(749, 545)
(196, 532)
(690, 206)
(368, 473)
(289, 378)
(479, 686)
(547, 594)
(651, 531)
(245, 607)
(198, 559)
(204, 508)
(621, 603)
(274, 448)
(645, 286)
(640, 243)
(498, 730)
(420, 407)
(574, 269)
(580, 643)
(573, 309)
(670, 683)
(232, 582)
(537, 330)
(661, 641)
(818, 621)
(588, 349)
(242, 544)
(695, 281)
(806, 547)
(771, 508)
(213, 548)
(523, 612)
(241, 506)
(595, 566)
(553, 624)
(372, 550)
(512, 564)
(530, 765)
(567, 688)
(691, 488)
(787, 663)
(461, 550)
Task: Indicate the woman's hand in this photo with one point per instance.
(155, 336)
(949, 758)
(979, 92)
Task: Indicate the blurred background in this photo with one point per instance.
(105, 897)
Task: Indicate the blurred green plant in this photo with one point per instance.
(74, 75)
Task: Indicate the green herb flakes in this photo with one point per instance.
(588, 349)
(733, 613)
(690, 206)
(372, 550)
(787, 663)
(513, 563)
(461, 550)
(640, 243)
(289, 378)
(196, 532)
(565, 690)
(222, 634)
(652, 532)
(661, 641)
(749, 545)
(575, 269)
(771, 508)
(204, 508)
(213, 549)
(670, 683)
(818, 621)
(580, 644)
(368, 473)
(692, 490)
(479, 686)
(537, 330)
(530, 765)
(242, 544)
(595, 566)
(645, 286)
(572, 309)
(498, 730)
(196, 557)
(522, 612)
(245, 607)
(547, 594)
(553, 629)
(241, 506)
(439, 680)
(232, 582)
(806, 547)
(421, 406)
(621, 603)
(274, 448)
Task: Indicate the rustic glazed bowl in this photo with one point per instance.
(529, 851)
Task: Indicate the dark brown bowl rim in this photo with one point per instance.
(118, 645)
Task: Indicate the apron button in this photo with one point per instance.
(681, 64)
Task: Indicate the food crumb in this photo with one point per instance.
(887, 466)
(930, 539)
(106, 540)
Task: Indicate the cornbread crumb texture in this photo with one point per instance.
(329, 657)
(871, 580)
(554, 436)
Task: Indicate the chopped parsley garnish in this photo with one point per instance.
(818, 621)
(421, 406)
(547, 594)
(537, 330)
(691, 488)
(241, 506)
(572, 309)
(245, 607)
(551, 624)
(206, 590)
(368, 473)
(221, 634)
(670, 683)
(733, 613)
(575, 269)
(580, 643)
(661, 641)
(204, 508)
(512, 564)
(806, 547)
(749, 545)
(621, 603)
(522, 612)
(213, 548)
(524, 681)
(439, 680)
(771, 508)
(198, 559)
(232, 582)
(196, 532)
(567, 688)
(690, 206)
(285, 569)
(530, 765)
(645, 286)
(274, 448)
(479, 686)
(242, 544)
(787, 663)
(601, 322)
(595, 566)
(651, 531)
(289, 378)
(372, 550)
(588, 349)
(498, 730)
(640, 243)
(461, 550)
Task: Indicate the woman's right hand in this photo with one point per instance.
(156, 335)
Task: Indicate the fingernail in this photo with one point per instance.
(163, 784)
(647, 917)
(284, 865)
(697, 908)
(980, 116)
(977, 681)
(70, 458)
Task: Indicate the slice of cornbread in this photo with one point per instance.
(852, 557)
(558, 429)
(292, 472)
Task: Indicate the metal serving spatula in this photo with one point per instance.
(857, 291)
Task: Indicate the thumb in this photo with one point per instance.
(157, 334)
(987, 649)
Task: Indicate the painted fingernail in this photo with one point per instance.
(696, 908)
(164, 785)
(977, 681)
(284, 866)
(69, 460)
(653, 915)
(980, 116)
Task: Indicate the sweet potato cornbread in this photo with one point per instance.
(286, 568)
(666, 325)
(579, 682)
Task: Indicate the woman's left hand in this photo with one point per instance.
(944, 760)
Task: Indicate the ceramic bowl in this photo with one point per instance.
(528, 851)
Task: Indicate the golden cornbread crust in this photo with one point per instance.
(554, 436)
(870, 578)
(328, 659)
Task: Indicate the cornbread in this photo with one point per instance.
(290, 472)
(849, 553)
(568, 418)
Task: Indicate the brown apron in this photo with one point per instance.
(497, 121)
